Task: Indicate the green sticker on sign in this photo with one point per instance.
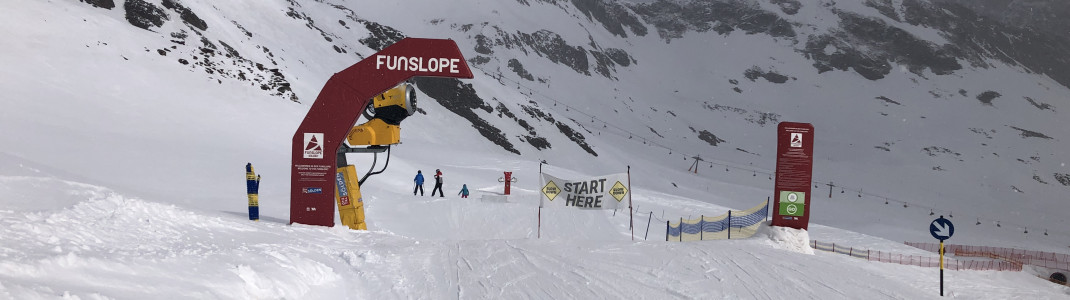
(792, 203)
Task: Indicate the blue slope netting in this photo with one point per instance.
(704, 227)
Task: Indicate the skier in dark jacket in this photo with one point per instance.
(419, 183)
(464, 191)
(438, 184)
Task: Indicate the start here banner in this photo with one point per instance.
(601, 192)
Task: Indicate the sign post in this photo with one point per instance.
(941, 229)
(794, 172)
(508, 179)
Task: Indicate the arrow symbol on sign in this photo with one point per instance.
(941, 230)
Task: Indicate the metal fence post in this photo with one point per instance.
(666, 230)
(648, 225)
(729, 224)
(701, 229)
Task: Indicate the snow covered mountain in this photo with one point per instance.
(919, 106)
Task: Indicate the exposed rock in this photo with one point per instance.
(619, 56)
(1029, 133)
(884, 43)
(553, 47)
(886, 100)
(479, 60)
(483, 45)
(790, 7)
(674, 18)
(550, 45)
(518, 68)
(1045, 16)
(1064, 179)
(987, 97)
(710, 138)
(982, 132)
(934, 151)
(186, 15)
(1041, 106)
(771, 76)
(655, 132)
(105, 4)
(461, 99)
(572, 134)
(885, 7)
(844, 57)
(381, 36)
(976, 37)
(144, 15)
(613, 16)
(576, 137)
(1038, 179)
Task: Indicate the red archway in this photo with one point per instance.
(339, 105)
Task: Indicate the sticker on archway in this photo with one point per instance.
(551, 190)
(618, 191)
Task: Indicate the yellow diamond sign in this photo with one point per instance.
(618, 191)
(551, 190)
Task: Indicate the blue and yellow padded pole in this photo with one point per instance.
(347, 195)
(252, 186)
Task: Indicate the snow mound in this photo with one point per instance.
(794, 240)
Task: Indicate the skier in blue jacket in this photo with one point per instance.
(419, 183)
(464, 191)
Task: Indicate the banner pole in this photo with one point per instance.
(539, 231)
(631, 220)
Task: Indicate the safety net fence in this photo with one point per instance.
(1027, 257)
(916, 260)
(736, 224)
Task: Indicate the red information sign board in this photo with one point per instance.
(794, 172)
(339, 105)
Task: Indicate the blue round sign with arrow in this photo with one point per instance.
(941, 228)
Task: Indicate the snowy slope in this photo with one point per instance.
(103, 245)
(121, 167)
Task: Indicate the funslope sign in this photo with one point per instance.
(602, 192)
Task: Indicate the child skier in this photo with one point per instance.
(464, 191)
